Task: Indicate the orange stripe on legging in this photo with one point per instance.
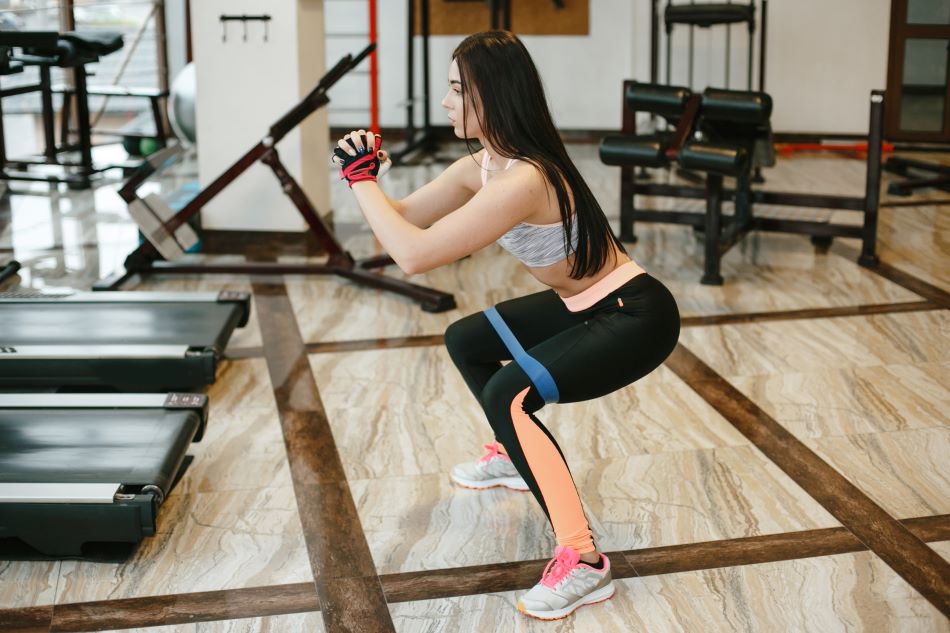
(554, 480)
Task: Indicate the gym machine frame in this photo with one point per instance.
(146, 260)
(822, 232)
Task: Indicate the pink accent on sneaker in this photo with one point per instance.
(564, 561)
(492, 453)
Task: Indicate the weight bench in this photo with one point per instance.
(168, 236)
(720, 133)
(82, 468)
(70, 50)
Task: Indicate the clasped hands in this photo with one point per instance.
(359, 157)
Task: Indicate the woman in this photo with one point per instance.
(603, 324)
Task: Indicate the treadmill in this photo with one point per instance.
(91, 468)
(124, 341)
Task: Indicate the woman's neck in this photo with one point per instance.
(496, 158)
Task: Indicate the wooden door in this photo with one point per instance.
(918, 100)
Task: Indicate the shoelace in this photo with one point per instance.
(564, 561)
(491, 454)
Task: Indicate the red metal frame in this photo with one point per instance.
(373, 72)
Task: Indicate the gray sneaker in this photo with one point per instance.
(567, 584)
(493, 469)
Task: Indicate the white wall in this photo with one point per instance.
(824, 57)
(243, 87)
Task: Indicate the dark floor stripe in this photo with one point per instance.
(443, 583)
(377, 343)
(446, 583)
(431, 340)
(920, 287)
(27, 619)
(204, 606)
(770, 548)
(810, 313)
(347, 585)
(906, 554)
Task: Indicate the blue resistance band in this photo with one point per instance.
(540, 377)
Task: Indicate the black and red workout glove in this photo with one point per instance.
(364, 166)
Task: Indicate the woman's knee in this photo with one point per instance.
(465, 335)
(504, 392)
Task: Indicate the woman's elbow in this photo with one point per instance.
(411, 265)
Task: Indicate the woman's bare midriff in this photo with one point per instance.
(558, 276)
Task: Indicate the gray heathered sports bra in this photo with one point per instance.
(536, 245)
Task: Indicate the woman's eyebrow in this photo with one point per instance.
(455, 81)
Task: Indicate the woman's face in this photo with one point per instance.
(452, 102)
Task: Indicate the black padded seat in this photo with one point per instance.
(666, 101)
(75, 48)
(736, 106)
(706, 15)
(641, 151)
(98, 42)
(728, 160)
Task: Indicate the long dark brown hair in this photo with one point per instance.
(516, 122)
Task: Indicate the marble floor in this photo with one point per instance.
(706, 530)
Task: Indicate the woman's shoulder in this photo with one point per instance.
(467, 170)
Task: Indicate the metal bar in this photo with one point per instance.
(426, 122)
(20, 90)
(373, 72)
(780, 198)
(300, 200)
(751, 48)
(713, 226)
(669, 48)
(654, 42)
(900, 165)
(763, 25)
(693, 218)
(728, 47)
(692, 38)
(3, 139)
(805, 227)
(872, 192)
(85, 131)
(410, 73)
(907, 187)
(49, 133)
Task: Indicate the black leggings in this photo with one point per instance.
(590, 353)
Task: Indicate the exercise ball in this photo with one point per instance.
(181, 105)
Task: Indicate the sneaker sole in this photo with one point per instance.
(601, 595)
(512, 483)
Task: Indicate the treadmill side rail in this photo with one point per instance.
(23, 352)
(197, 402)
(57, 492)
(115, 297)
